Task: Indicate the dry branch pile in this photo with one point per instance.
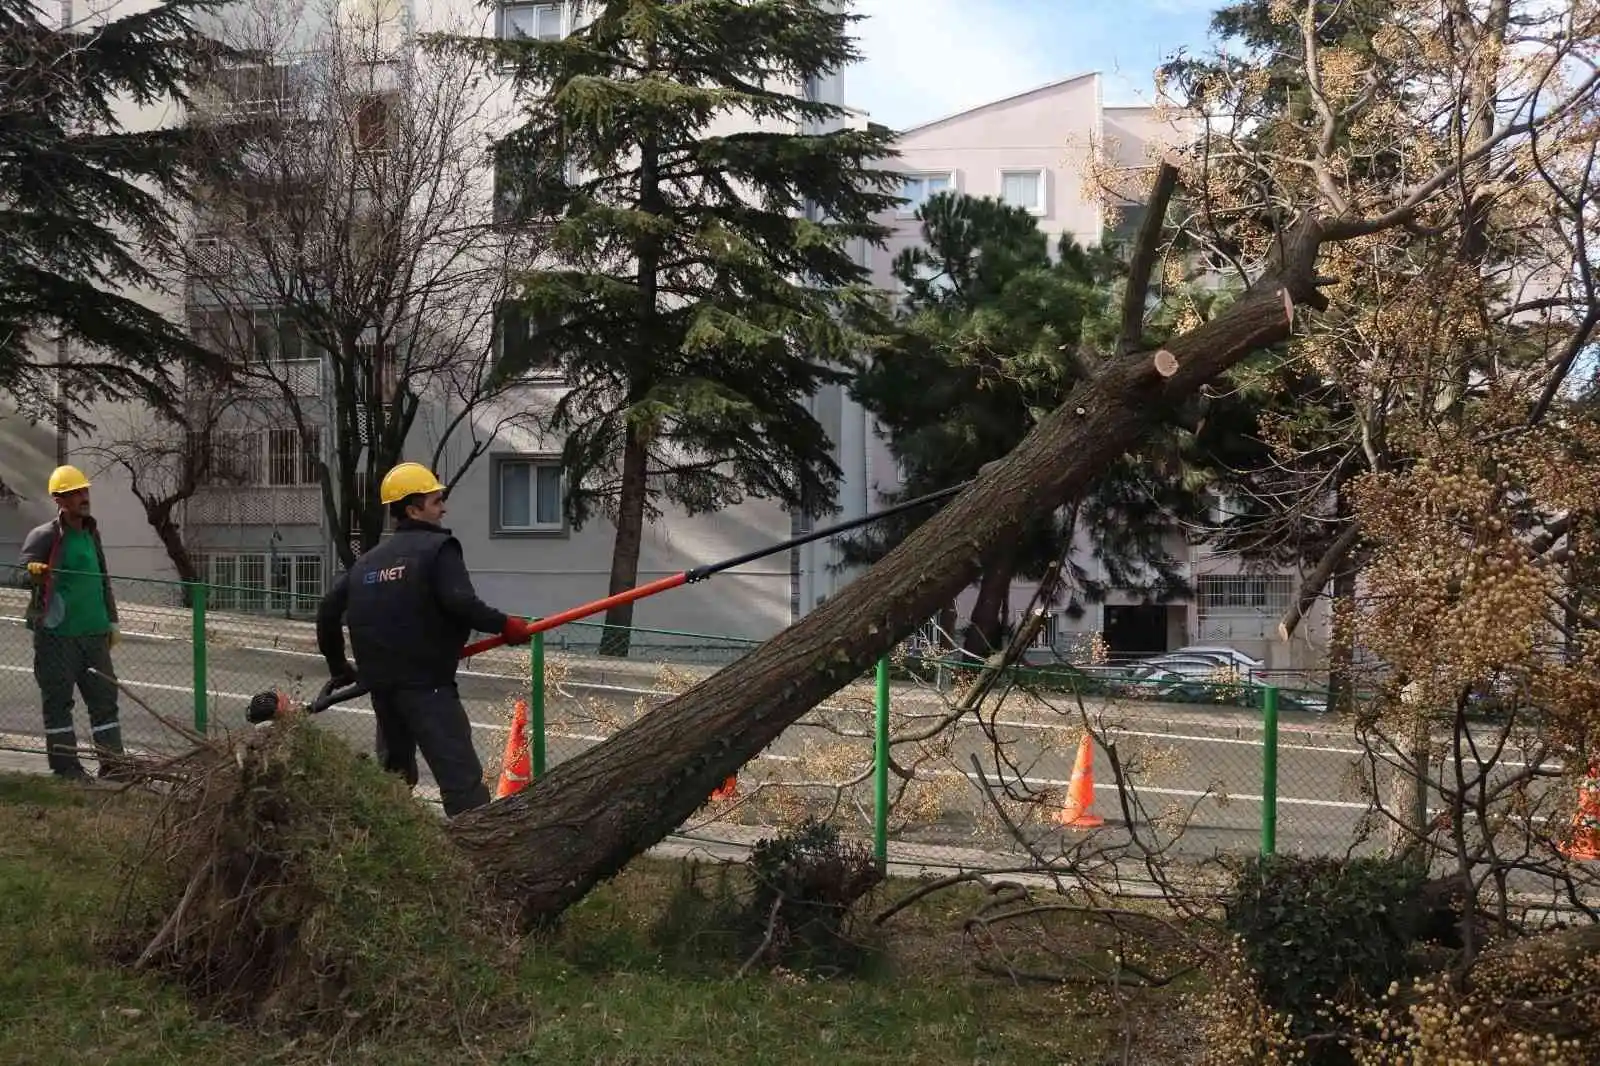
(291, 883)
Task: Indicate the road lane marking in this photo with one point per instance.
(1040, 782)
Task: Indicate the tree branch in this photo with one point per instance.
(1143, 261)
(1317, 580)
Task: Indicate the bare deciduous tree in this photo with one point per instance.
(362, 240)
(167, 458)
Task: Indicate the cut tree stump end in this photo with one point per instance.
(1166, 363)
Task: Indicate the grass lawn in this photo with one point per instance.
(596, 992)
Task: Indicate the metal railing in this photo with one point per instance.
(892, 758)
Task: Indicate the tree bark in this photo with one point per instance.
(982, 637)
(614, 638)
(159, 515)
(1318, 579)
(1342, 649)
(547, 846)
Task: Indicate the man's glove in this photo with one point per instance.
(38, 570)
(114, 636)
(340, 674)
(517, 630)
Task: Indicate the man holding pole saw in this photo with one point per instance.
(410, 605)
(410, 482)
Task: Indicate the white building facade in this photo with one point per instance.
(262, 534)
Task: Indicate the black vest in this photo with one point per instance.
(400, 637)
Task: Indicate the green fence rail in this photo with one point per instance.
(861, 759)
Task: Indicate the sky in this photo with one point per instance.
(928, 58)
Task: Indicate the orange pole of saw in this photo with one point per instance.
(699, 573)
(572, 614)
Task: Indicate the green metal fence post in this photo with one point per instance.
(197, 636)
(1269, 770)
(536, 703)
(880, 767)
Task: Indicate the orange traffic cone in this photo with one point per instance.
(1076, 813)
(515, 769)
(727, 790)
(1585, 845)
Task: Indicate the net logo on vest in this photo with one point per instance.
(393, 573)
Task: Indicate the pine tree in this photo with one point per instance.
(86, 202)
(700, 285)
(994, 335)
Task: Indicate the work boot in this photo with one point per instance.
(71, 772)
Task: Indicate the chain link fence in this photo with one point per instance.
(1055, 756)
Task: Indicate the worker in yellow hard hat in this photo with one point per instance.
(73, 615)
(411, 607)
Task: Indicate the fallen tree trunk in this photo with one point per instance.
(579, 825)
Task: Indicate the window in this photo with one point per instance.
(1045, 638)
(521, 349)
(1244, 594)
(528, 494)
(1126, 219)
(263, 338)
(289, 462)
(919, 188)
(255, 90)
(251, 457)
(1225, 507)
(538, 21)
(226, 457)
(374, 130)
(282, 583)
(507, 194)
(531, 197)
(1024, 189)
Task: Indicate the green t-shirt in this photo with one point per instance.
(81, 591)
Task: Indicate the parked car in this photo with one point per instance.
(1245, 663)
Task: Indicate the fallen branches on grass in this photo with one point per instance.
(290, 883)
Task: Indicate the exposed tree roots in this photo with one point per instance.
(289, 882)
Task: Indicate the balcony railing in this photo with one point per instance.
(250, 505)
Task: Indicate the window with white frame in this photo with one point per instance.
(1024, 189)
(255, 89)
(288, 583)
(528, 495)
(920, 188)
(541, 22)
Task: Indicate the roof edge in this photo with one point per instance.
(1058, 83)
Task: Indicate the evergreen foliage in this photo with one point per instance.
(86, 202)
(700, 286)
(994, 336)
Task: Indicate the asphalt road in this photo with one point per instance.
(1207, 762)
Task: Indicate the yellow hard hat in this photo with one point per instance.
(64, 479)
(408, 479)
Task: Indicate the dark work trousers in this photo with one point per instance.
(433, 720)
(61, 664)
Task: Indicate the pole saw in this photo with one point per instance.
(264, 706)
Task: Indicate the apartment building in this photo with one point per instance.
(1053, 151)
(259, 528)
